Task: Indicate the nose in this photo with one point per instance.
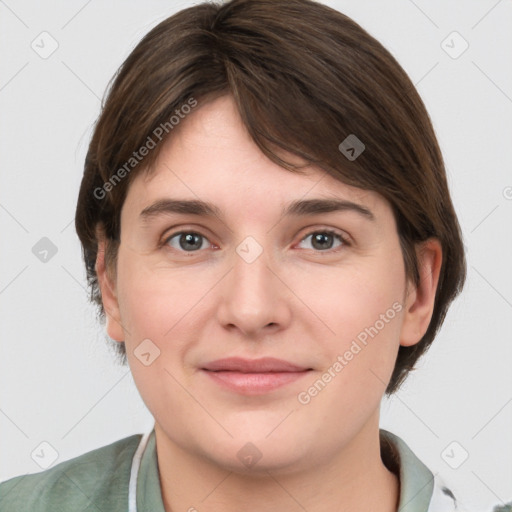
(254, 298)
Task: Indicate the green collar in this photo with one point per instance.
(416, 480)
(149, 494)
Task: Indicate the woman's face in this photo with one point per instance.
(323, 291)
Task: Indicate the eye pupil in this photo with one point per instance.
(190, 238)
(321, 239)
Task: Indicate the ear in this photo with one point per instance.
(108, 296)
(419, 301)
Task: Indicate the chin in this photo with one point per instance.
(258, 454)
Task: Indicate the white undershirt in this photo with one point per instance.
(132, 487)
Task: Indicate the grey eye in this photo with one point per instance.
(188, 241)
(323, 240)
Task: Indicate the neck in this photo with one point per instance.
(355, 478)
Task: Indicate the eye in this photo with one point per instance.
(191, 241)
(188, 241)
(323, 240)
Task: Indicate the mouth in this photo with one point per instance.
(253, 377)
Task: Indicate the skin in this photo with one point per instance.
(295, 302)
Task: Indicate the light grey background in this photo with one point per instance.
(58, 381)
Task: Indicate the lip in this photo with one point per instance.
(262, 365)
(253, 376)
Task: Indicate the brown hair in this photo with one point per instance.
(304, 77)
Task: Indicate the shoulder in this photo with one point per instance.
(94, 480)
(420, 488)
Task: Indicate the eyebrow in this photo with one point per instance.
(295, 208)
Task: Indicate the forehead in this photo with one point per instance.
(210, 156)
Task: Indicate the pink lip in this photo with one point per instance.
(252, 377)
(262, 365)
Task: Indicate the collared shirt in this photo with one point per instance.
(99, 481)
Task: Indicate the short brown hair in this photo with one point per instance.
(304, 77)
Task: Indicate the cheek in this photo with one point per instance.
(153, 310)
(161, 304)
(363, 308)
(346, 300)
(359, 310)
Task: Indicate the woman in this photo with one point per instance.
(268, 232)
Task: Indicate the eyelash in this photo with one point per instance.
(336, 234)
